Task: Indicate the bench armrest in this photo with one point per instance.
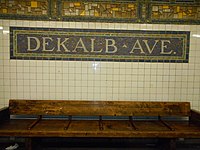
(195, 116)
(4, 114)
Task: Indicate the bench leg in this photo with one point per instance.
(167, 144)
(172, 143)
(28, 143)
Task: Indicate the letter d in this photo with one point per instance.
(29, 44)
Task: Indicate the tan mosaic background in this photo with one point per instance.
(175, 12)
(24, 7)
(101, 9)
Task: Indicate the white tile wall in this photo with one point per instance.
(96, 80)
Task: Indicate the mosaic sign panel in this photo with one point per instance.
(100, 45)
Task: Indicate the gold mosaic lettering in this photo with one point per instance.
(93, 50)
(150, 50)
(80, 45)
(164, 46)
(29, 44)
(46, 43)
(61, 44)
(112, 44)
(137, 46)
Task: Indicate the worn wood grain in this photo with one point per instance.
(98, 108)
(99, 127)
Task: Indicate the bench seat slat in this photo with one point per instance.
(90, 128)
(98, 108)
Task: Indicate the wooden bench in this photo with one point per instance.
(107, 119)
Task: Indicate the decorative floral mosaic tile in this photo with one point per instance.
(171, 11)
(134, 11)
(100, 9)
(24, 7)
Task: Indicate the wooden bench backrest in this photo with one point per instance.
(98, 108)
